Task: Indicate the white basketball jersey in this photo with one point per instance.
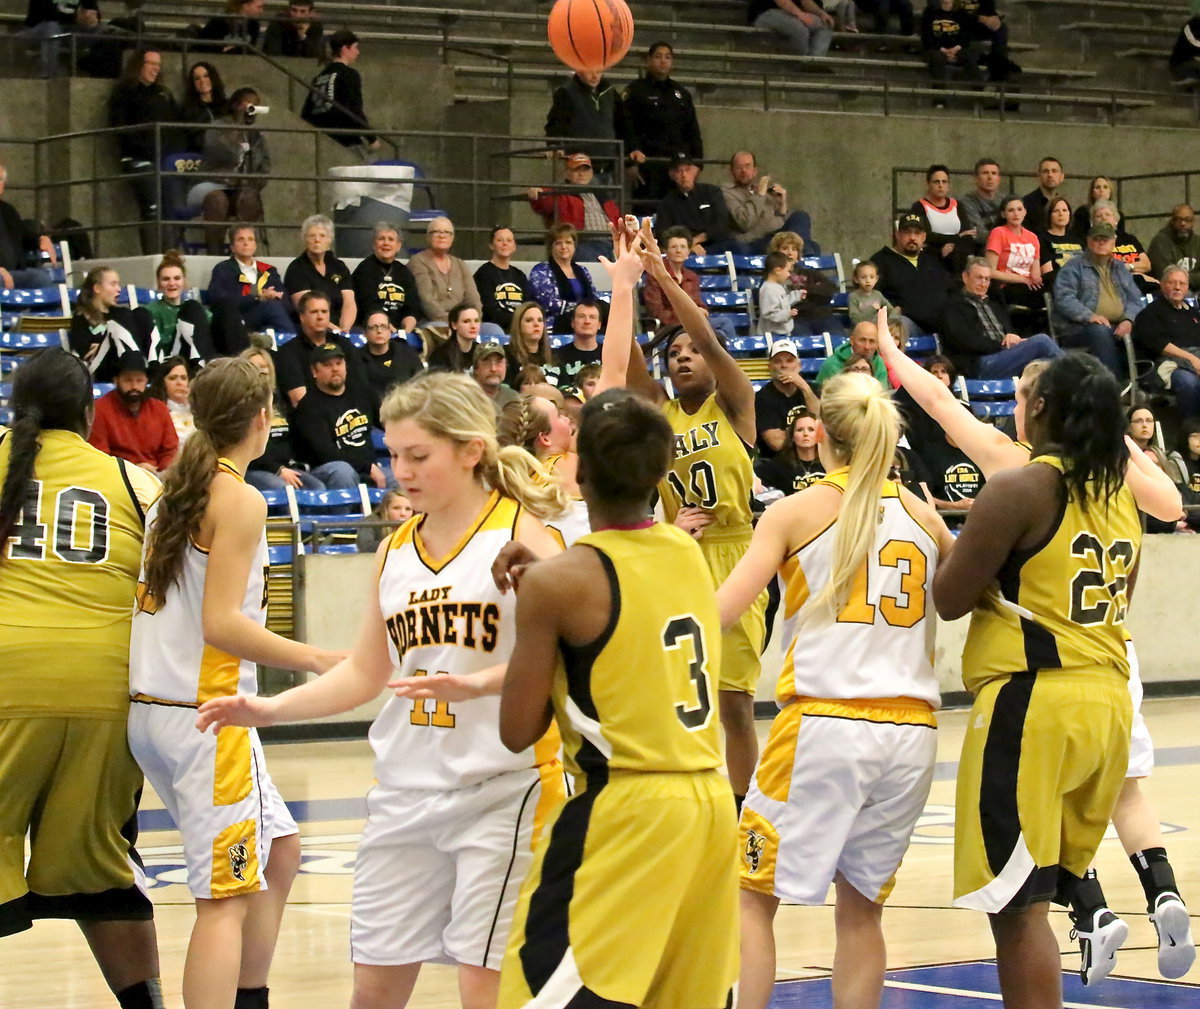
(445, 615)
(572, 523)
(168, 658)
(881, 644)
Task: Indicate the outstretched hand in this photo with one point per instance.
(240, 709)
(888, 348)
(626, 265)
(444, 686)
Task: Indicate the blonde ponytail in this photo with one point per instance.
(862, 426)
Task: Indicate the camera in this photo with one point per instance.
(253, 111)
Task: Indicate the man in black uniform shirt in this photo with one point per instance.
(293, 359)
(662, 122)
(388, 358)
(778, 402)
(383, 282)
(333, 422)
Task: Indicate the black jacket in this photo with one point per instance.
(280, 39)
(140, 104)
(17, 238)
(662, 119)
(964, 338)
(920, 291)
(340, 83)
(580, 111)
(702, 209)
(329, 428)
(293, 363)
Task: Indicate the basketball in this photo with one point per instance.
(590, 34)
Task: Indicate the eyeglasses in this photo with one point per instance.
(438, 232)
(380, 325)
(1183, 220)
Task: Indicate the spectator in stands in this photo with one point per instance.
(49, 19)
(987, 26)
(865, 300)
(131, 425)
(864, 339)
(293, 360)
(804, 26)
(393, 507)
(661, 122)
(528, 343)
(883, 11)
(443, 280)
(949, 237)
(335, 98)
(20, 241)
(1058, 242)
(587, 112)
(1143, 429)
(1095, 299)
(797, 465)
(502, 287)
(911, 278)
(697, 206)
(171, 386)
(1050, 177)
(1100, 189)
(238, 157)
(295, 33)
(979, 209)
(457, 354)
(561, 282)
(101, 330)
(1184, 61)
(332, 424)
(237, 28)
(948, 44)
(1167, 332)
(489, 368)
(587, 210)
(777, 403)
(583, 349)
(318, 270)
(676, 243)
(757, 205)
(1015, 256)
(1129, 249)
(1187, 464)
(950, 478)
(1177, 244)
(383, 283)
(181, 325)
(245, 294)
(776, 302)
(813, 314)
(388, 358)
(277, 467)
(204, 102)
(137, 99)
(977, 333)
(844, 14)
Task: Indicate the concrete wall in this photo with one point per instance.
(335, 590)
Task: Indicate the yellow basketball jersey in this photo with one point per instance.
(711, 468)
(644, 697)
(881, 643)
(1062, 606)
(68, 578)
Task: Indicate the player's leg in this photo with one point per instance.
(741, 740)
(860, 958)
(1100, 933)
(379, 987)
(261, 930)
(127, 954)
(757, 978)
(478, 987)
(214, 954)
(1027, 958)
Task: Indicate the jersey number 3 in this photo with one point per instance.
(79, 517)
(678, 630)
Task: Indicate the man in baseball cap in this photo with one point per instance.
(912, 278)
(489, 367)
(776, 403)
(587, 210)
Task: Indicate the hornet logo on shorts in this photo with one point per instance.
(755, 843)
(239, 858)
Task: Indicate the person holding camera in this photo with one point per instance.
(758, 207)
(236, 157)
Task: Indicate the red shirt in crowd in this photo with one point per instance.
(147, 438)
(655, 297)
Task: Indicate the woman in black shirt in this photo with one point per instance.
(318, 269)
(798, 465)
(204, 102)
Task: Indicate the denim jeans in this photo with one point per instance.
(1098, 341)
(1010, 362)
(801, 39)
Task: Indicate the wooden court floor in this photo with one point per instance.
(325, 783)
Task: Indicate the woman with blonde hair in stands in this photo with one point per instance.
(847, 768)
(1099, 931)
(455, 813)
(528, 342)
(199, 632)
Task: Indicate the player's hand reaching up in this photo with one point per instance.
(626, 265)
(888, 349)
(240, 709)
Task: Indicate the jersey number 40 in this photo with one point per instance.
(74, 525)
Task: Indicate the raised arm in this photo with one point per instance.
(1153, 489)
(625, 269)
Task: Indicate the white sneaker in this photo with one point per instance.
(1176, 951)
(1099, 944)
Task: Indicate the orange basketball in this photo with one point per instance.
(590, 34)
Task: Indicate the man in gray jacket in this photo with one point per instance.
(1096, 300)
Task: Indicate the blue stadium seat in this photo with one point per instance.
(748, 345)
(279, 555)
(29, 341)
(101, 389)
(325, 506)
(725, 299)
(748, 264)
(922, 346)
(698, 263)
(994, 408)
(716, 282)
(282, 338)
(277, 503)
(337, 548)
(32, 298)
(991, 388)
(5, 393)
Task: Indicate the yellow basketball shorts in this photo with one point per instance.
(72, 785)
(632, 899)
(1043, 760)
(742, 644)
